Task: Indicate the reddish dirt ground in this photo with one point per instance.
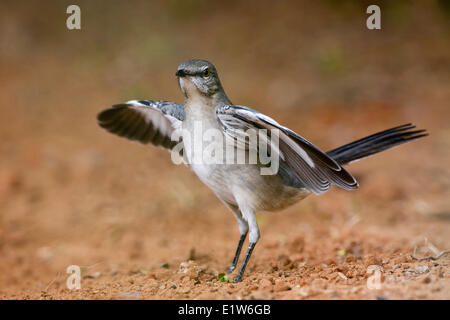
(142, 228)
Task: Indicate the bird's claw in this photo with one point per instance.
(231, 269)
(237, 278)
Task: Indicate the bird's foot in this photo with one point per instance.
(231, 268)
(238, 278)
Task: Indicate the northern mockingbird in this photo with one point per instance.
(303, 169)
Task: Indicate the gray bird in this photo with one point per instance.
(303, 168)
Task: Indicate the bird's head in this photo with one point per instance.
(198, 78)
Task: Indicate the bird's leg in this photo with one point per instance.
(243, 229)
(253, 239)
(238, 277)
(238, 253)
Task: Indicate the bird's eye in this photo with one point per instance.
(206, 73)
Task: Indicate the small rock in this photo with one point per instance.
(422, 269)
(427, 280)
(342, 275)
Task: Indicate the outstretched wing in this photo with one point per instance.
(144, 121)
(311, 167)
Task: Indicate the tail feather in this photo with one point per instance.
(376, 143)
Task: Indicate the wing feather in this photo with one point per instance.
(145, 121)
(312, 167)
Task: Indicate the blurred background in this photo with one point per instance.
(71, 193)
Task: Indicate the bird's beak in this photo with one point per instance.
(180, 73)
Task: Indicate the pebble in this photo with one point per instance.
(342, 275)
(427, 280)
(422, 269)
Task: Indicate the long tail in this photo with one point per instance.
(376, 143)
